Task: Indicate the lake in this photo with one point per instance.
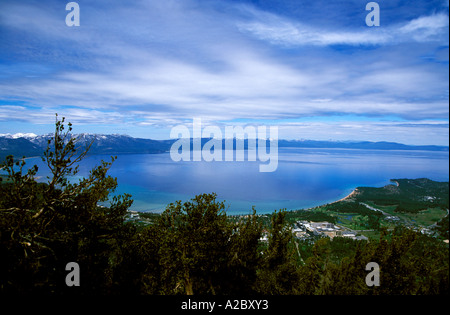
(304, 178)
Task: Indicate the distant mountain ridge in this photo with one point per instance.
(28, 144)
(101, 144)
(381, 145)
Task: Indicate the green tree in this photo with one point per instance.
(194, 244)
(313, 277)
(45, 226)
(244, 256)
(278, 273)
(139, 270)
(442, 227)
(195, 248)
(374, 222)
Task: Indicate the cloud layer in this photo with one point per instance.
(159, 63)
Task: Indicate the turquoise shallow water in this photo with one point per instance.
(304, 177)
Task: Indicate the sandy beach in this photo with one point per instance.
(353, 193)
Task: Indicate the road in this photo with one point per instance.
(375, 209)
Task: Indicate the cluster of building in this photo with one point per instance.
(132, 215)
(307, 229)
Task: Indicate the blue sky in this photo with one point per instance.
(313, 68)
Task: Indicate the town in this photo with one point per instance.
(308, 229)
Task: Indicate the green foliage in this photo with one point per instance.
(410, 263)
(442, 227)
(409, 195)
(351, 207)
(45, 226)
(244, 255)
(309, 215)
(192, 247)
(198, 235)
(278, 273)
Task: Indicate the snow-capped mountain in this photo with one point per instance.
(29, 144)
(18, 147)
(34, 145)
(28, 135)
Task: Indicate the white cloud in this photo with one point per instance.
(293, 34)
(429, 24)
(157, 63)
(413, 133)
(283, 31)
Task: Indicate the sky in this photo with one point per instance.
(314, 68)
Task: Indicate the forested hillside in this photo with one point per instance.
(409, 195)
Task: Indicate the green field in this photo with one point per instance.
(416, 203)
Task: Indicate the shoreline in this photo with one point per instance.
(350, 195)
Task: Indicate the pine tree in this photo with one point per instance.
(278, 273)
(194, 244)
(46, 226)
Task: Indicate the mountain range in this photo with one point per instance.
(28, 144)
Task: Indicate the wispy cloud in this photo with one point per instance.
(426, 132)
(157, 63)
(283, 31)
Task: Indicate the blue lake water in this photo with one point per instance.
(304, 177)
